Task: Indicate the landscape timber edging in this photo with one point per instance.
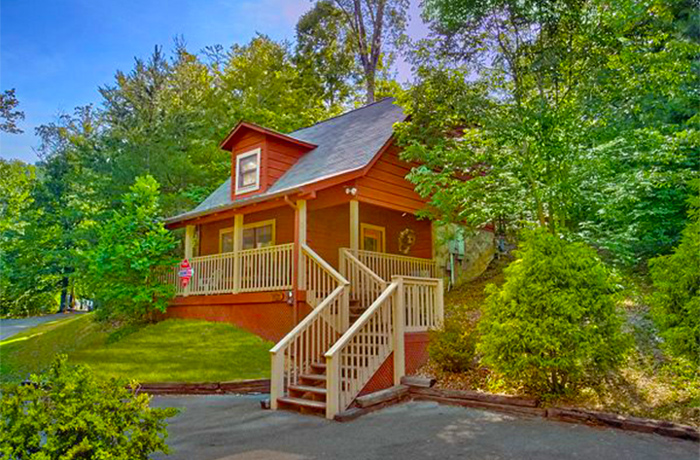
(236, 387)
(525, 406)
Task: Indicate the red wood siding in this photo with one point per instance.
(385, 183)
(284, 228)
(259, 313)
(245, 143)
(209, 236)
(276, 157)
(327, 230)
(280, 156)
(394, 222)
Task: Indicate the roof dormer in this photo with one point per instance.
(260, 156)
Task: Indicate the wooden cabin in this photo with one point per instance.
(313, 243)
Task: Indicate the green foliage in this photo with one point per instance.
(676, 298)
(579, 116)
(453, 346)
(9, 116)
(133, 250)
(554, 323)
(67, 413)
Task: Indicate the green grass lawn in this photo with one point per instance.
(169, 351)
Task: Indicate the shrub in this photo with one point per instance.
(69, 414)
(554, 322)
(453, 346)
(675, 302)
(133, 250)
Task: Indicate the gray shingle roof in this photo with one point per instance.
(344, 143)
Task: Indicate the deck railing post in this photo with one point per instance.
(399, 330)
(440, 301)
(332, 387)
(276, 378)
(237, 247)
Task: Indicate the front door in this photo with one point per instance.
(372, 238)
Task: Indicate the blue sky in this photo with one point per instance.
(57, 53)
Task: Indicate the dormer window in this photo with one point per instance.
(248, 171)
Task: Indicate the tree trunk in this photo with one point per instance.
(64, 294)
(369, 76)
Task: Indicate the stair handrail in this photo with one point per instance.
(365, 284)
(314, 285)
(308, 340)
(341, 386)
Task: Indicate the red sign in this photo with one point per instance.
(185, 272)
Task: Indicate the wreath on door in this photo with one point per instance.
(407, 238)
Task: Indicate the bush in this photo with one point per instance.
(554, 322)
(453, 346)
(69, 414)
(133, 251)
(675, 302)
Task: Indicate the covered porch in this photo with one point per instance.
(262, 250)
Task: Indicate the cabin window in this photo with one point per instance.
(248, 171)
(259, 234)
(255, 235)
(226, 240)
(372, 238)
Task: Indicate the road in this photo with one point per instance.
(10, 327)
(228, 427)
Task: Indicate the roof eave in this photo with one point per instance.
(225, 145)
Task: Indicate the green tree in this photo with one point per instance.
(377, 27)
(676, 298)
(69, 413)
(325, 57)
(575, 115)
(132, 254)
(554, 324)
(9, 116)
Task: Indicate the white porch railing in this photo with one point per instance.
(317, 277)
(359, 353)
(308, 341)
(267, 269)
(250, 270)
(365, 285)
(423, 301)
(388, 265)
(407, 304)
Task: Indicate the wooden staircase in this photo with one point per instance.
(356, 322)
(309, 395)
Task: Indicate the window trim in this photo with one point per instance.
(239, 158)
(221, 240)
(378, 228)
(262, 223)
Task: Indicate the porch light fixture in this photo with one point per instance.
(350, 191)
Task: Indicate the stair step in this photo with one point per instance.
(308, 389)
(317, 378)
(319, 366)
(302, 402)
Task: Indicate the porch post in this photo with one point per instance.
(354, 225)
(399, 331)
(189, 241)
(299, 239)
(237, 246)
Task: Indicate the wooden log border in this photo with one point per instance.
(235, 387)
(525, 406)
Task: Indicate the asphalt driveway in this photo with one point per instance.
(10, 327)
(230, 427)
